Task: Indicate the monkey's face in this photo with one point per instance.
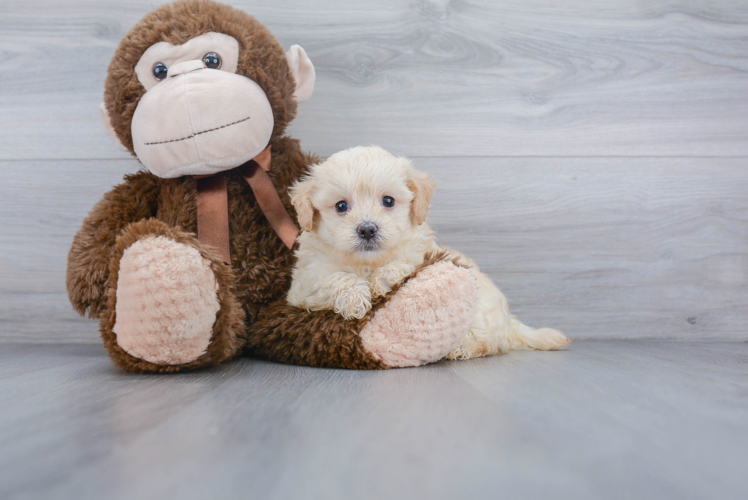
(198, 116)
(201, 105)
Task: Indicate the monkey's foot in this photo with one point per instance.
(425, 319)
(167, 301)
(171, 305)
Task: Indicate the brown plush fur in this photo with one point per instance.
(253, 312)
(88, 260)
(261, 263)
(145, 205)
(319, 338)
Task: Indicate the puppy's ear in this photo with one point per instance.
(422, 187)
(302, 202)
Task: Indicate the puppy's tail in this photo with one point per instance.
(540, 339)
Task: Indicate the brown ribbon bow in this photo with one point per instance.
(213, 205)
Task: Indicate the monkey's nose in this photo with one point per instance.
(367, 230)
(186, 67)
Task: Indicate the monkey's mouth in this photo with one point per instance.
(198, 133)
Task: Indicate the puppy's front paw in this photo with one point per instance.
(388, 276)
(353, 301)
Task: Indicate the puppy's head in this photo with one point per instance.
(362, 202)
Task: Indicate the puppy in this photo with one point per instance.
(363, 215)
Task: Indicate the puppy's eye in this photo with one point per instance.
(341, 207)
(212, 60)
(159, 71)
(388, 201)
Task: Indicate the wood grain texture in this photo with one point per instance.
(613, 420)
(598, 247)
(426, 78)
(42, 205)
(605, 247)
(592, 156)
(617, 241)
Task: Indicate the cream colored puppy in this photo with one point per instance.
(363, 215)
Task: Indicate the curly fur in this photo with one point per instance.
(339, 270)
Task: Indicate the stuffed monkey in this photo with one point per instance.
(187, 263)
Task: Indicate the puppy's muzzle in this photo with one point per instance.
(367, 231)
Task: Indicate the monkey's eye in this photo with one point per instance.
(212, 60)
(159, 71)
(388, 201)
(341, 207)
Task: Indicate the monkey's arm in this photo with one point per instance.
(88, 261)
(419, 322)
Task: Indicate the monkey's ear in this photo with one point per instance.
(303, 72)
(422, 187)
(108, 126)
(302, 202)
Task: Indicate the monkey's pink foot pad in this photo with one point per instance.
(166, 302)
(425, 319)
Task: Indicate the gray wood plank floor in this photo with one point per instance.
(606, 419)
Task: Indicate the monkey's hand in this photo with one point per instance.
(350, 295)
(419, 323)
(88, 261)
(386, 277)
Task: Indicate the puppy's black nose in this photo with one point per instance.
(367, 230)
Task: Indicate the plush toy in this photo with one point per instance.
(187, 263)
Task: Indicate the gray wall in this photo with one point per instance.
(591, 155)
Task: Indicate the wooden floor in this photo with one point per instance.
(604, 419)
